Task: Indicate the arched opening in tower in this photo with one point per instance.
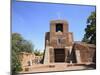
(59, 27)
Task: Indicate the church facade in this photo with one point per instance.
(60, 46)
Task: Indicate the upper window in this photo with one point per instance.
(59, 27)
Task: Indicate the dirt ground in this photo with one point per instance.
(55, 67)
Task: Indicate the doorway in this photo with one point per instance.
(59, 54)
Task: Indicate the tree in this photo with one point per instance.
(38, 53)
(15, 63)
(90, 30)
(19, 44)
(26, 46)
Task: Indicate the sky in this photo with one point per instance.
(32, 19)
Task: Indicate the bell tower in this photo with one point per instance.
(59, 34)
(58, 42)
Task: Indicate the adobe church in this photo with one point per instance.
(60, 46)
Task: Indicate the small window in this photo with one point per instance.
(29, 63)
(59, 41)
(59, 27)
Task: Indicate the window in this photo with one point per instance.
(59, 27)
(58, 41)
(29, 64)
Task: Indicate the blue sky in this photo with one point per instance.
(32, 19)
